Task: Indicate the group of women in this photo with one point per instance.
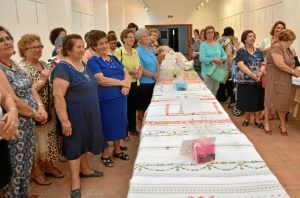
(85, 95)
(273, 63)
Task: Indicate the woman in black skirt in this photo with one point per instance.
(250, 95)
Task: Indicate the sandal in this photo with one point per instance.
(122, 156)
(283, 133)
(56, 173)
(40, 180)
(107, 161)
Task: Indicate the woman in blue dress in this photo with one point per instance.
(77, 107)
(19, 86)
(114, 84)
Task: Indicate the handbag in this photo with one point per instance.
(217, 73)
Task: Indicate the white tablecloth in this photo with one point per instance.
(160, 170)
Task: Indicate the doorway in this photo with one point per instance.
(173, 38)
(176, 36)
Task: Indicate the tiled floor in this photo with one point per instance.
(282, 155)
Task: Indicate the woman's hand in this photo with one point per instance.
(44, 115)
(67, 128)
(10, 123)
(125, 90)
(255, 77)
(296, 73)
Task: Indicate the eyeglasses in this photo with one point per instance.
(34, 48)
(210, 32)
(7, 39)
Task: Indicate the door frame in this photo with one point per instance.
(190, 34)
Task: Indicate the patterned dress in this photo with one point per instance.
(21, 149)
(46, 141)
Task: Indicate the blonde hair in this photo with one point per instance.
(286, 35)
(25, 40)
(153, 30)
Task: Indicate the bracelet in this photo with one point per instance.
(40, 81)
(250, 75)
(14, 108)
(154, 75)
(40, 104)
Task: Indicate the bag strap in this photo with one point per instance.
(121, 55)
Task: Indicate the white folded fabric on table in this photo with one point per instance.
(161, 170)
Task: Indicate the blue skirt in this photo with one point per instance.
(114, 118)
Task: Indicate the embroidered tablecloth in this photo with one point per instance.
(160, 170)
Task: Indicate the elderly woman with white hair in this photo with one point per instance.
(150, 72)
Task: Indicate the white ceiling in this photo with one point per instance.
(163, 8)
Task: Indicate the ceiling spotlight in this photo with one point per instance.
(207, 1)
(147, 9)
(197, 7)
(202, 4)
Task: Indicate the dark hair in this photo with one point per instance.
(124, 34)
(3, 29)
(228, 31)
(55, 33)
(132, 25)
(207, 28)
(286, 35)
(96, 35)
(68, 43)
(275, 25)
(110, 32)
(196, 30)
(245, 34)
(87, 40)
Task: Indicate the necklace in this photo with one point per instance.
(6, 64)
(82, 71)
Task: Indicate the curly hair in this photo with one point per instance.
(286, 35)
(153, 30)
(55, 33)
(124, 34)
(25, 40)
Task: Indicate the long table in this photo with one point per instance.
(160, 170)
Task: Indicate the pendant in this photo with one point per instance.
(87, 77)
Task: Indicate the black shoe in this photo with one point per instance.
(76, 193)
(95, 174)
(134, 132)
(245, 123)
(259, 125)
(123, 148)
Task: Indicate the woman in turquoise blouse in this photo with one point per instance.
(210, 52)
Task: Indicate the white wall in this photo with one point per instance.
(80, 16)
(207, 15)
